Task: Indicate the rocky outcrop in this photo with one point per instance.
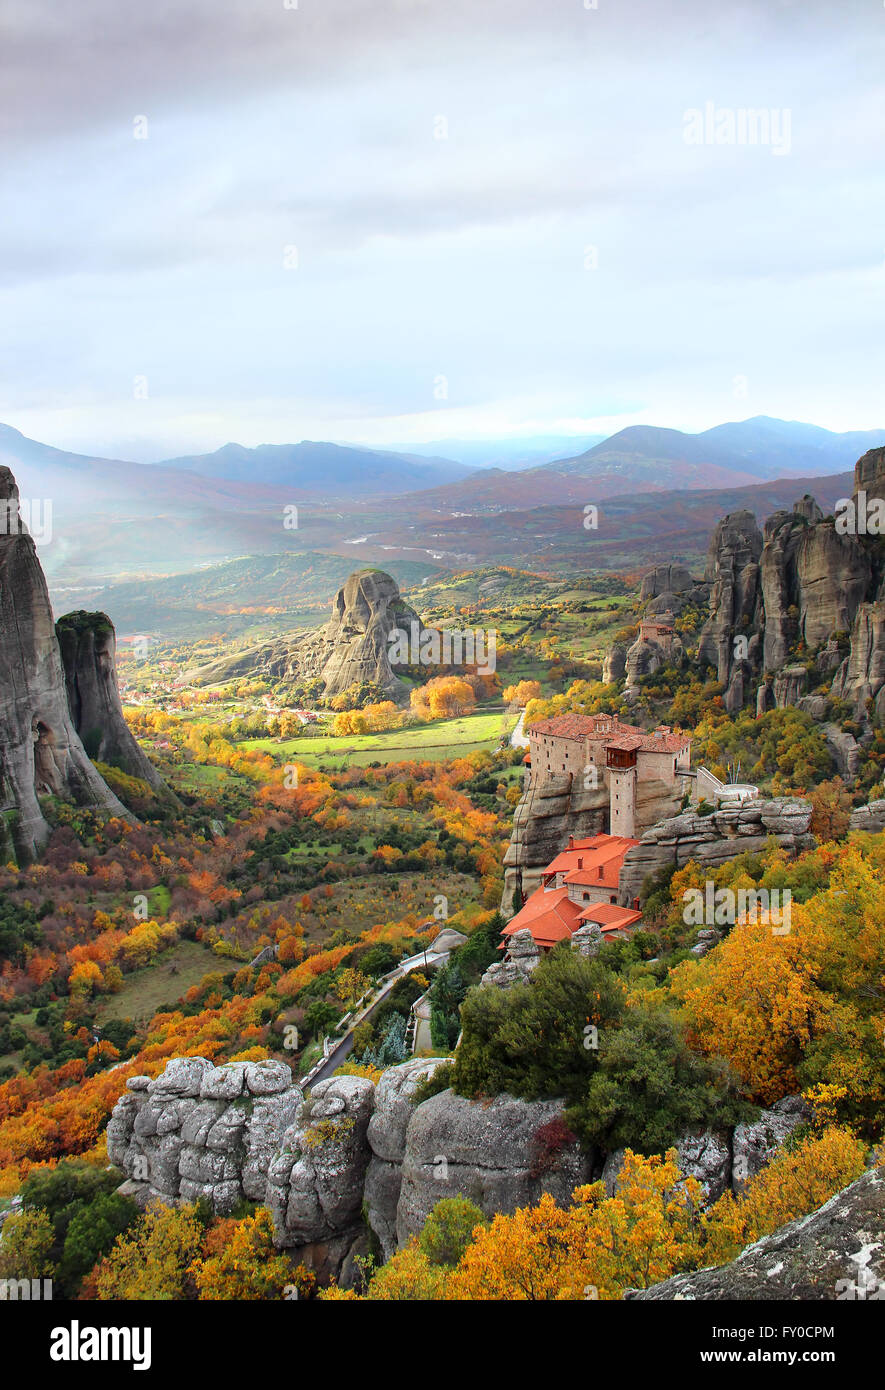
(845, 750)
(648, 654)
(523, 957)
(200, 1131)
(664, 580)
(546, 815)
(41, 753)
(735, 606)
(394, 1108)
(704, 1156)
(315, 1180)
(352, 648)
(88, 646)
(350, 1156)
(713, 840)
(835, 1253)
(614, 665)
(550, 811)
(808, 583)
(489, 1151)
(754, 1145)
(860, 677)
(869, 474)
(870, 818)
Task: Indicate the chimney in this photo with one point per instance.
(571, 841)
(580, 863)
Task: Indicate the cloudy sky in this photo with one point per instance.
(399, 220)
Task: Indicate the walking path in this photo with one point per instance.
(342, 1049)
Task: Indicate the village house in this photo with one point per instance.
(601, 751)
(579, 886)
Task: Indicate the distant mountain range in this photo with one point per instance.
(114, 518)
(324, 471)
(509, 454)
(652, 459)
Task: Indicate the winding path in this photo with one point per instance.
(342, 1049)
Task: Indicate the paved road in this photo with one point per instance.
(518, 738)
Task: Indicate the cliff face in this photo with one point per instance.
(549, 812)
(712, 840)
(88, 645)
(803, 581)
(352, 1152)
(352, 647)
(735, 605)
(40, 749)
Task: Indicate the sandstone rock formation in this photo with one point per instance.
(614, 665)
(352, 648)
(804, 583)
(545, 816)
(704, 1156)
(487, 1151)
(870, 818)
(390, 1120)
(755, 1144)
(88, 647)
(40, 751)
(315, 1180)
(664, 580)
(200, 1131)
(550, 811)
(835, 1253)
(713, 840)
(523, 956)
(351, 1155)
(735, 606)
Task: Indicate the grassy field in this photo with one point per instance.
(446, 738)
(162, 982)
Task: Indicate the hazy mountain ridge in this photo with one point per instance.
(323, 470)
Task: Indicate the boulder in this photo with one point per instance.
(394, 1109)
(489, 1151)
(835, 1253)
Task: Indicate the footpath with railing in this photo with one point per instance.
(340, 1048)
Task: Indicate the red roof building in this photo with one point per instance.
(597, 751)
(580, 885)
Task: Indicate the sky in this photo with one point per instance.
(387, 221)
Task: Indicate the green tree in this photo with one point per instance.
(449, 1229)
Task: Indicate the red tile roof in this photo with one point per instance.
(600, 851)
(550, 916)
(580, 726)
(609, 916)
(618, 735)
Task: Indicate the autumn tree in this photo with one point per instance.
(830, 810)
(153, 1261)
(240, 1261)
